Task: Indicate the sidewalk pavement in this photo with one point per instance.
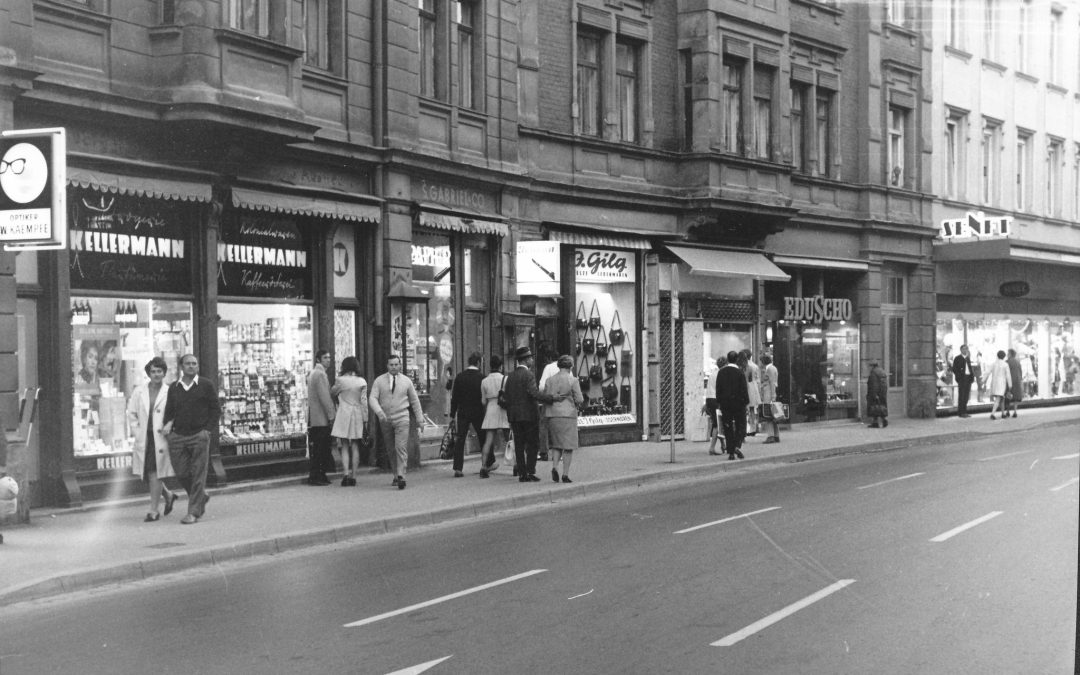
(66, 550)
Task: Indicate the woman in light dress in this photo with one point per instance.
(495, 423)
(562, 416)
(146, 416)
(753, 388)
(350, 391)
(999, 380)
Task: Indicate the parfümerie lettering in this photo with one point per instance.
(126, 244)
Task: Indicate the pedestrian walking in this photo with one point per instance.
(321, 412)
(146, 415)
(1015, 394)
(495, 424)
(550, 359)
(562, 416)
(769, 380)
(999, 381)
(467, 409)
(351, 421)
(732, 399)
(192, 412)
(877, 396)
(522, 410)
(711, 410)
(394, 401)
(753, 388)
(964, 373)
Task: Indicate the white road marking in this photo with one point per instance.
(1010, 454)
(435, 601)
(891, 480)
(1033, 465)
(416, 670)
(581, 595)
(966, 526)
(782, 614)
(725, 520)
(1067, 456)
(1065, 485)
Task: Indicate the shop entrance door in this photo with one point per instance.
(894, 349)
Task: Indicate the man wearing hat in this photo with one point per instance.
(522, 400)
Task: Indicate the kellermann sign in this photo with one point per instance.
(817, 309)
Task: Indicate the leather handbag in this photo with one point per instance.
(601, 349)
(502, 394)
(615, 334)
(584, 380)
(611, 366)
(596, 373)
(580, 321)
(610, 391)
(588, 345)
(626, 392)
(594, 316)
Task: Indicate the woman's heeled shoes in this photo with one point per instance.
(152, 518)
(170, 499)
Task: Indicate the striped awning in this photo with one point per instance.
(463, 222)
(722, 263)
(139, 186)
(598, 240)
(304, 205)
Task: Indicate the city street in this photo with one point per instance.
(944, 559)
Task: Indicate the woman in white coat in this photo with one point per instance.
(150, 460)
(1000, 380)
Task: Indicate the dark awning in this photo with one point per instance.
(711, 262)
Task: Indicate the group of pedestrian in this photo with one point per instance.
(739, 398)
(1005, 381)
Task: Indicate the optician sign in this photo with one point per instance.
(975, 224)
(33, 177)
(817, 309)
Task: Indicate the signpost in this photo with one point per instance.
(33, 183)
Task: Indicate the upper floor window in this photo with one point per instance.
(732, 105)
(1023, 170)
(898, 121)
(1076, 183)
(428, 51)
(1056, 53)
(823, 128)
(686, 63)
(1023, 37)
(896, 12)
(250, 16)
(990, 29)
(626, 84)
(763, 111)
(465, 22)
(954, 24)
(1055, 163)
(955, 133)
(990, 151)
(799, 149)
(318, 41)
(588, 83)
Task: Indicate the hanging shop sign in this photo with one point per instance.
(537, 268)
(1014, 289)
(33, 170)
(975, 224)
(817, 309)
(263, 257)
(120, 243)
(593, 265)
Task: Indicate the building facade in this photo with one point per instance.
(643, 185)
(1006, 118)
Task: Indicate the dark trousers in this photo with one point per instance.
(463, 435)
(190, 457)
(322, 459)
(526, 444)
(729, 426)
(963, 393)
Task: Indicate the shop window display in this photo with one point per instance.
(111, 340)
(264, 357)
(818, 367)
(1045, 348)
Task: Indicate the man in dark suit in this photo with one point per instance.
(965, 375)
(522, 400)
(467, 408)
(732, 397)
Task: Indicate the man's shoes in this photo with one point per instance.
(992, 417)
(1014, 414)
(400, 483)
(532, 478)
(517, 471)
(731, 456)
(523, 478)
(170, 499)
(458, 474)
(189, 519)
(318, 480)
(566, 479)
(772, 439)
(751, 433)
(543, 457)
(738, 453)
(484, 473)
(395, 481)
(152, 518)
(555, 475)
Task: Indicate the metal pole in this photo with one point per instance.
(674, 313)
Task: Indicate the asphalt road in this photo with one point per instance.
(950, 560)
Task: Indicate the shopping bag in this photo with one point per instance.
(509, 454)
(446, 448)
(779, 411)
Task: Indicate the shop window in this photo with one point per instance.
(264, 357)
(588, 84)
(112, 339)
(344, 335)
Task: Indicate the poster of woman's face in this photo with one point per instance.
(89, 358)
(95, 356)
(108, 359)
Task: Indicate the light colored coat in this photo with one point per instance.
(769, 379)
(140, 412)
(1000, 379)
(753, 383)
(321, 409)
(563, 383)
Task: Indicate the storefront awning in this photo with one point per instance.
(139, 186)
(717, 263)
(598, 239)
(304, 205)
(1005, 249)
(463, 222)
(821, 263)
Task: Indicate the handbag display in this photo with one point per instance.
(626, 392)
(580, 320)
(588, 345)
(611, 392)
(611, 366)
(615, 335)
(446, 447)
(601, 349)
(596, 373)
(584, 380)
(594, 316)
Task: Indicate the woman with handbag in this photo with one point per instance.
(769, 379)
(999, 381)
(562, 416)
(1015, 394)
(495, 424)
(877, 390)
(351, 420)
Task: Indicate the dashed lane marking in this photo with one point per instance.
(1009, 454)
(420, 667)
(1065, 484)
(782, 614)
(725, 520)
(966, 526)
(891, 480)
